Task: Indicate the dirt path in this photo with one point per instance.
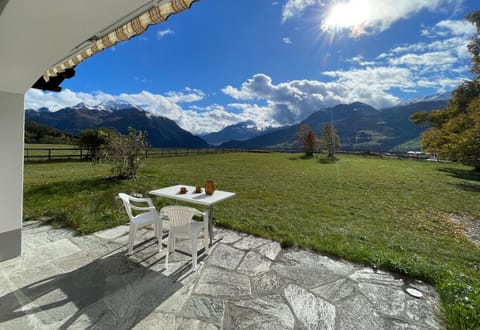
(471, 225)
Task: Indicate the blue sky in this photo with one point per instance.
(276, 62)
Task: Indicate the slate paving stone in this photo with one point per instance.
(227, 236)
(376, 277)
(113, 233)
(359, 313)
(312, 311)
(389, 300)
(73, 262)
(423, 311)
(309, 259)
(269, 312)
(24, 323)
(33, 277)
(187, 323)
(49, 252)
(249, 243)
(267, 283)
(337, 290)
(60, 233)
(225, 256)
(170, 321)
(270, 250)
(34, 241)
(11, 265)
(223, 283)
(174, 302)
(307, 277)
(254, 264)
(204, 308)
(399, 325)
(95, 316)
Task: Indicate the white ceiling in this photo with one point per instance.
(36, 34)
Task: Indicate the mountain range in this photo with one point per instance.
(359, 125)
(161, 132)
(241, 131)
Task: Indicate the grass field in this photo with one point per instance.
(392, 214)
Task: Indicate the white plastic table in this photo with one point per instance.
(173, 192)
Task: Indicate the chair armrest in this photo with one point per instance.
(144, 208)
(142, 200)
(198, 213)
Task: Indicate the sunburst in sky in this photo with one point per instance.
(353, 15)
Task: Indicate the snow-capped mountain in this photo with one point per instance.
(240, 131)
(161, 132)
(110, 106)
(428, 98)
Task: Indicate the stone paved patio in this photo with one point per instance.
(65, 281)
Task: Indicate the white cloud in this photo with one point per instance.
(164, 33)
(287, 40)
(452, 28)
(292, 101)
(293, 8)
(433, 59)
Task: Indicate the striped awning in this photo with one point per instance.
(157, 14)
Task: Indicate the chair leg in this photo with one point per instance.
(194, 252)
(168, 251)
(172, 243)
(131, 238)
(170, 247)
(205, 233)
(158, 235)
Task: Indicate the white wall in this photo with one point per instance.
(11, 173)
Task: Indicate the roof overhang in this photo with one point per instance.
(49, 38)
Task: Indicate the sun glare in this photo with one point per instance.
(352, 15)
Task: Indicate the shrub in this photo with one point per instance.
(125, 152)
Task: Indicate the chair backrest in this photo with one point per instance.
(180, 217)
(126, 203)
(132, 207)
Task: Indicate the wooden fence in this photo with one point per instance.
(50, 154)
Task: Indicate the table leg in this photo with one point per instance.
(210, 224)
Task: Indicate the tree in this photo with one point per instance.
(126, 152)
(92, 140)
(454, 132)
(306, 138)
(330, 139)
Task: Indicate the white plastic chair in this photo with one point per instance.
(183, 226)
(141, 216)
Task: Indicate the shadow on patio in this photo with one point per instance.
(111, 291)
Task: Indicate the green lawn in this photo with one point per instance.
(383, 212)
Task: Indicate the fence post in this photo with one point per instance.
(81, 153)
(49, 154)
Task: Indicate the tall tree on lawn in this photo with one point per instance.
(306, 138)
(330, 139)
(455, 131)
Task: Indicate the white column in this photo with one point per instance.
(11, 173)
